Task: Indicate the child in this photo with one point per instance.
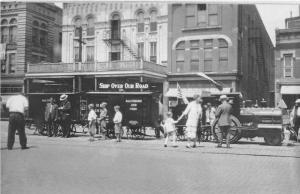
(92, 122)
(118, 123)
(169, 128)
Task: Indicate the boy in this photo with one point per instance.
(118, 123)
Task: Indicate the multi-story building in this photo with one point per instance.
(227, 42)
(113, 52)
(287, 62)
(30, 33)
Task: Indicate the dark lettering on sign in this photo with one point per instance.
(123, 86)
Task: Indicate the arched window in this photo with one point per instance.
(140, 21)
(180, 51)
(43, 35)
(115, 26)
(77, 24)
(4, 22)
(35, 33)
(13, 21)
(90, 26)
(153, 21)
(223, 52)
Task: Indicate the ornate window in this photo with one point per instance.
(140, 21)
(153, 21)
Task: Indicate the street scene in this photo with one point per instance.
(150, 97)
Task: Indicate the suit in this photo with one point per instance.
(223, 116)
(65, 110)
(51, 113)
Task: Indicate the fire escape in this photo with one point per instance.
(255, 37)
(115, 38)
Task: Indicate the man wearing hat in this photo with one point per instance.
(102, 118)
(295, 117)
(194, 113)
(65, 112)
(223, 115)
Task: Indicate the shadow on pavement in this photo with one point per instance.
(265, 155)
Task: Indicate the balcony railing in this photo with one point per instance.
(95, 67)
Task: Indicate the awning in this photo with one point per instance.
(190, 92)
(290, 89)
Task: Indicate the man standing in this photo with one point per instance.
(210, 113)
(102, 118)
(223, 115)
(193, 111)
(65, 111)
(295, 117)
(51, 116)
(18, 107)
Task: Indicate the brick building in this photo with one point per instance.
(287, 62)
(30, 33)
(111, 51)
(227, 42)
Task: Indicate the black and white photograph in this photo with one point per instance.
(134, 97)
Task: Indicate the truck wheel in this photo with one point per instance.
(274, 139)
(235, 134)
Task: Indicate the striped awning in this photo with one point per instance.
(190, 92)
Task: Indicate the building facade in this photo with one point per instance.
(287, 62)
(30, 33)
(113, 52)
(227, 42)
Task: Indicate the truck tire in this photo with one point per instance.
(235, 133)
(274, 139)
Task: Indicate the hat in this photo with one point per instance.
(117, 107)
(63, 97)
(91, 106)
(103, 104)
(298, 100)
(223, 97)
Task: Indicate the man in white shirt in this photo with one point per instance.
(194, 112)
(17, 106)
(118, 123)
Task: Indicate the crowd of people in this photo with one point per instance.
(18, 110)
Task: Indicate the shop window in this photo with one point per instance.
(90, 26)
(12, 63)
(153, 21)
(153, 52)
(140, 21)
(190, 19)
(4, 34)
(141, 50)
(288, 65)
(90, 53)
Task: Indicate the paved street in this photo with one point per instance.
(57, 165)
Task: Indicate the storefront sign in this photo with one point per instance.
(123, 86)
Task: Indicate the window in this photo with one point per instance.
(213, 15)
(115, 54)
(76, 54)
(153, 21)
(116, 27)
(194, 66)
(35, 33)
(12, 63)
(208, 49)
(223, 52)
(141, 50)
(140, 21)
(78, 29)
(190, 16)
(13, 34)
(4, 22)
(201, 14)
(90, 27)
(288, 65)
(180, 51)
(60, 38)
(43, 38)
(90, 53)
(4, 34)
(3, 66)
(35, 59)
(153, 52)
